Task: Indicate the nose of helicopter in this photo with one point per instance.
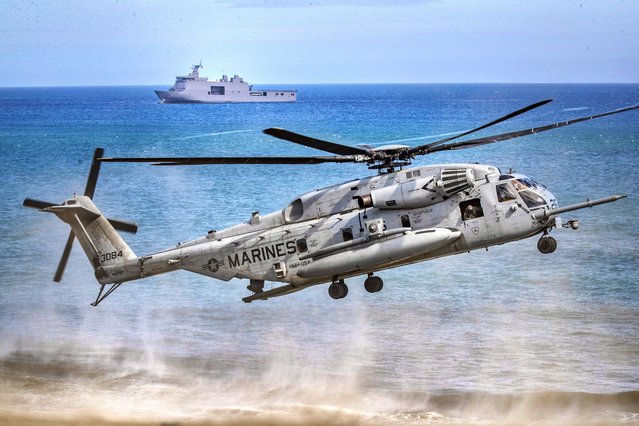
(548, 197)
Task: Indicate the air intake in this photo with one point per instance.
(453, 181)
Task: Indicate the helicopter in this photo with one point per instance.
(397, 217)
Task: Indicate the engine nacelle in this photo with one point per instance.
(420, 192)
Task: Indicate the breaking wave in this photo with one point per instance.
(124, 387)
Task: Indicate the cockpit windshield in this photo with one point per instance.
(525, 187)
(523, 183)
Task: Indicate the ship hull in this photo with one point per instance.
(189, 97)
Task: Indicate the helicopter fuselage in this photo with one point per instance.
(359, 227)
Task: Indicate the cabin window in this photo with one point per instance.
(471, 209)
(405, 221)
(217, 90)
(504, 193)
(347, 234)
(301, 245)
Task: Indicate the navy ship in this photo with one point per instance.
(195, 89)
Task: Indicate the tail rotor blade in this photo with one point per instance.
(93, 173)
(63, 260)
(124, 225)
(89, 190)
(36, 204)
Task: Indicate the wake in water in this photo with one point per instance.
(575, 109)
(205, 135)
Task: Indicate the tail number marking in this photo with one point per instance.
(110, 256)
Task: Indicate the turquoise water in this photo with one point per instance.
(492, 336)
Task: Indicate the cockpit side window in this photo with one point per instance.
(505, 193)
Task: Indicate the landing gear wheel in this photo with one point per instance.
(373, 284)
(338, 290)
(547, 245)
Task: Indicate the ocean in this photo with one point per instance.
(503, 336)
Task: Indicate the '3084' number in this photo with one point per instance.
(110, 256)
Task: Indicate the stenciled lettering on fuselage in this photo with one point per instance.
(261, 254)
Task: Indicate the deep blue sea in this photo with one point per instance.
(504, 336)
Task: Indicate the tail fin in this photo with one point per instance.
(102, 244)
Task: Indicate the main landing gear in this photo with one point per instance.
(338, 289)
(373, 284)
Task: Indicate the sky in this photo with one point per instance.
(146, 42)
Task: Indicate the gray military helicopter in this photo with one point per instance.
(397, 217)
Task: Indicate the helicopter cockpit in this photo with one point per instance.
(533, 194)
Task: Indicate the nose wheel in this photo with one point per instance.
(547, 244)
(338, 289)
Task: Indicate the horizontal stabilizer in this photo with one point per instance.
(68, 211)
(119, 224)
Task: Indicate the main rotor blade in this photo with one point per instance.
(417, 149)
(191, 161)
(331, 147)
(520, 133)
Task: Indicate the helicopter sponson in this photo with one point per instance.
(360, 227)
